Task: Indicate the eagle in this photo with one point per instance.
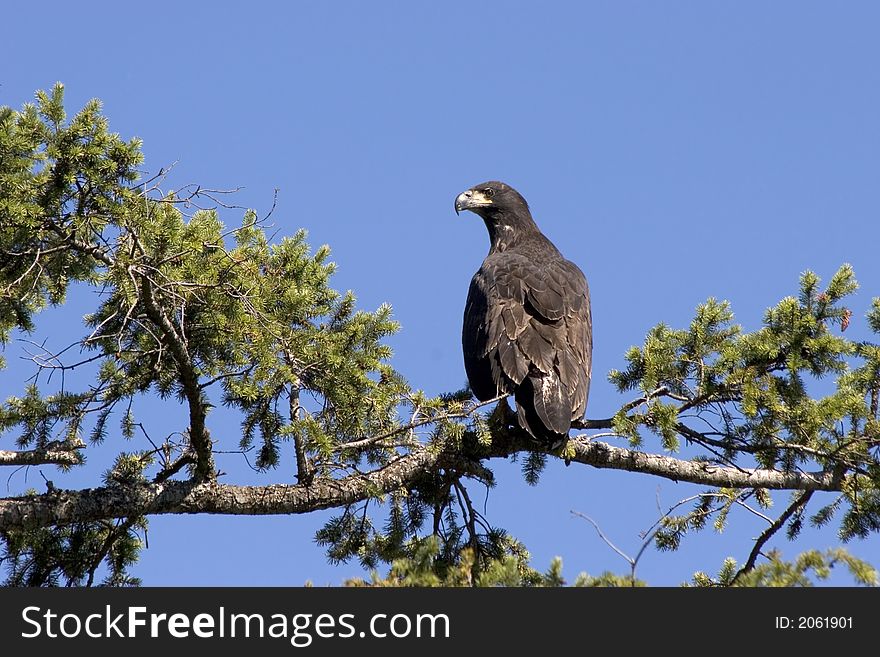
(528, 328)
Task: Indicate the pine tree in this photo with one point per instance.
(199, 314)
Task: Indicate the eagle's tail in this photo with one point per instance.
(543, 409)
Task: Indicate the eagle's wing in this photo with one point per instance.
(494, 306)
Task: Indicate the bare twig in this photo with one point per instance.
(632, 562)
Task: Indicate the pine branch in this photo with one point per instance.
(113, 535)
(603, 455)
(608, 423)
(54, 456)
(768, 533)
(174, 468)
(189, 380)
(62, 507)
(75, 244)
(434, 419)
(175, 497)
(303, 467)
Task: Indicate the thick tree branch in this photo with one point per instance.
(41, 457)
(64, 507)
(603, 455)
(61, 507)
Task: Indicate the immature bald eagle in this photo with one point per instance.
(527, 324)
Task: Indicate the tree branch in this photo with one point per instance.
(189, 380)
(42, 457)
(608, 422)
(173, 497)
(303, 467)
(603, 455)
(93, 250)
(768, 533)
(449, 415)
(61, 507)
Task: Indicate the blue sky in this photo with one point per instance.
(675, 151)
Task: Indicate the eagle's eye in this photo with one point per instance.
(489, 192)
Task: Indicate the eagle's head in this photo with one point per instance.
(492, 198)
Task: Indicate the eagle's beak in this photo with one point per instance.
(469, 200)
